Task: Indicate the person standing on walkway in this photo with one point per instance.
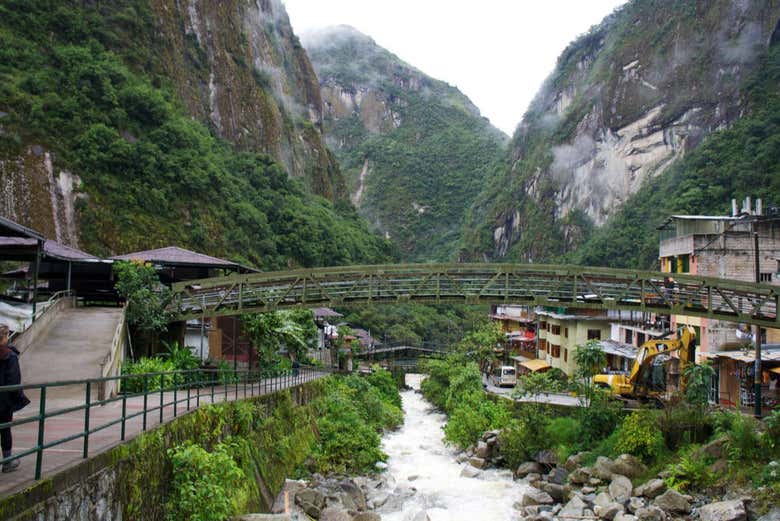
(10, 401)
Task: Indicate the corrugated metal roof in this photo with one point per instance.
(173, 255)
(613, 347)
(51, 249)
(768, 355)
(9, 228)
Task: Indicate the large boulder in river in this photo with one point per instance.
(477, 462)
(355, 493)
(334, 513)
(620, 488)
(311, 501)
(602, 469)
(723, 511)
(628, 465)
(580, 476)
(609, 511)
(673, 501)
(772, 515)
(651, 513)
(534, 496)
(482, 450)
(574, 461)
(651, 489)
(527, 468)
(574, 508)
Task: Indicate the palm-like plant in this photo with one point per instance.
(590, 359)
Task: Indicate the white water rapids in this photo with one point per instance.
(417, 449)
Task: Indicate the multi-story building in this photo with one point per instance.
(561, 331)
(518, 323)
(724, 247)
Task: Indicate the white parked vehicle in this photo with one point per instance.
(505, 375)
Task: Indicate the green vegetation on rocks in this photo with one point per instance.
(415, 149)
(691, 90)
(75, 80)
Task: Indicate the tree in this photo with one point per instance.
(480, 344)
(590, 359)
(269, 332)
(697, 388)
(146, 298)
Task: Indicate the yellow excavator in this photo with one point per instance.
(647, 378)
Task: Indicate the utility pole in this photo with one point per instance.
(756, 329)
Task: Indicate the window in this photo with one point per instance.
(565, 355)
(542, 325)
(629, 336)
(566, 332)
(765, 277)
(555, 351)
(594, 334)
(542, 344)
(555, 329)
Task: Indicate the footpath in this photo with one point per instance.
(71, 424)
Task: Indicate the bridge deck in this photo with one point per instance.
(531, 284)
(70, 453)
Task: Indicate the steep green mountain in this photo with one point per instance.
(141, 123)
(664, 106)
(415, 151)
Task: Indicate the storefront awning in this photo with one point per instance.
(767, 355)
(535, 365)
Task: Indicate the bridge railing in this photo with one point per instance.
(534, 284)
(163, 395)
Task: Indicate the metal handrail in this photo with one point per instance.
(43, 309)
(216, 382)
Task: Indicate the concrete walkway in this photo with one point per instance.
(62, 456)
(72, 348)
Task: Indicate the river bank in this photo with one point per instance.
(423, 479)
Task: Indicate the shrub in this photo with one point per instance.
(639, 435)
(691, 471)
(517, 443)
(207, 486)
(743, 443)
(563, 434)
(600, 418)
(347, 443)
(143, 366)
(771, 436)
(474, 414)
(384, 382)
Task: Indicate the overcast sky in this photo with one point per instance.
(497, 52)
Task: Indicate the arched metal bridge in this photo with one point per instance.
(531, 284)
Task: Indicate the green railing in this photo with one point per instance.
(528, 284)
(185, 389)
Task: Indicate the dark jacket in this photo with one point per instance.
(10, 374)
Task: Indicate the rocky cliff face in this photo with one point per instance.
(624, 103)
(238, 66)
(34, 193)
(414, 150)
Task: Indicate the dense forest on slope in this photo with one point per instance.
(743, 160)
(74, 81)
(415, 150)
(625, 103)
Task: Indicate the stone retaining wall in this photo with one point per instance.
(132, 481)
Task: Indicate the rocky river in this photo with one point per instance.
(425, 480)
